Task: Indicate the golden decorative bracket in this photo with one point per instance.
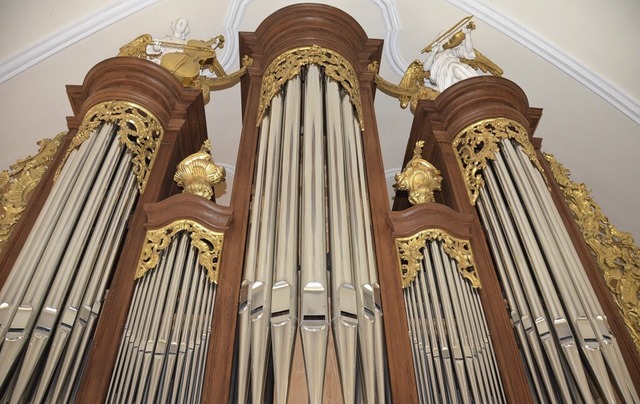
(478, 142)
(289, 64)
(197, 174)
(410, 255)
(17, 183)
(411, 88)
(138, 129)
(208, 243)
(420, 178)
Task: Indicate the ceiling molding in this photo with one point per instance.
(390, 173)
(69, 35)
(532, 41)
(231, 27)
(388, 11)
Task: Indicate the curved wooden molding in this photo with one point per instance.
(191, 207)
(66, 37)
(554, 55)
(431, 216)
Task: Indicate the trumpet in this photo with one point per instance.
(453, 34)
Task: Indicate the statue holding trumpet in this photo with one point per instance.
(451, 58)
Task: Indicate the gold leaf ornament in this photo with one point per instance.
(410, 255)
(208, 243)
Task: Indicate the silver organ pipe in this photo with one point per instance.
(454, 360)
(316, 200)
(566, 342)
(164, 346)
(60, 277)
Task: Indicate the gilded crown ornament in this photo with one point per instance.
(420, 178)
(197, 174)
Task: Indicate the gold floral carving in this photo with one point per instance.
(420, 178)
(410, 255)
(138, 130)
(17, 183)
(479, 142)
(208, 243)
(615, 251)
(197, 174)
(411, 88)
(289, 64)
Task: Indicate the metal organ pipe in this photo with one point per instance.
(547, 278)
(69, 254)
(312, 210)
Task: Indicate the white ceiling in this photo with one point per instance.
(576, 59)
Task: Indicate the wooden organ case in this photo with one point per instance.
(307, 287)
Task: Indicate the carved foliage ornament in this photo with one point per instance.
(17, 183)
(410, 255)
(197, 174)
(208, 243)
(615, 251)
(420, 178)
(289, 64)
(138, 130)
(479, 142)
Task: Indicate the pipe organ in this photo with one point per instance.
(477, 287)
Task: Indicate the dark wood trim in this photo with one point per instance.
(181, 112)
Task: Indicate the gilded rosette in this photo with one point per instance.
(419, 178)
(615, 251)
(410, 255)
(138, 130)
(289, 64)
(197, 174)
(17, 183)
(209, 244)
(479, 142)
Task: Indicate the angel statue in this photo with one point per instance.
(452, 58)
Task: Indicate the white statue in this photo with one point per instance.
(170, 43)
(444, 59)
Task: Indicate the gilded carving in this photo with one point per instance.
(138, 130)
(451, 58)
(17, 183)
(411, 88)
(410, 255)
(289, 64)
(194, 62)
(197, 174)
(615, 251)
(479, 142)
(208, 243)
(420, 178)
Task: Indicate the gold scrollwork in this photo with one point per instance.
(478, 143)
(420, 178)
(410, 255)
(208, 243)
(17, 183)
(411, 88)
(289, 64)
(615, 251)
(197, 174)
(138, 130)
